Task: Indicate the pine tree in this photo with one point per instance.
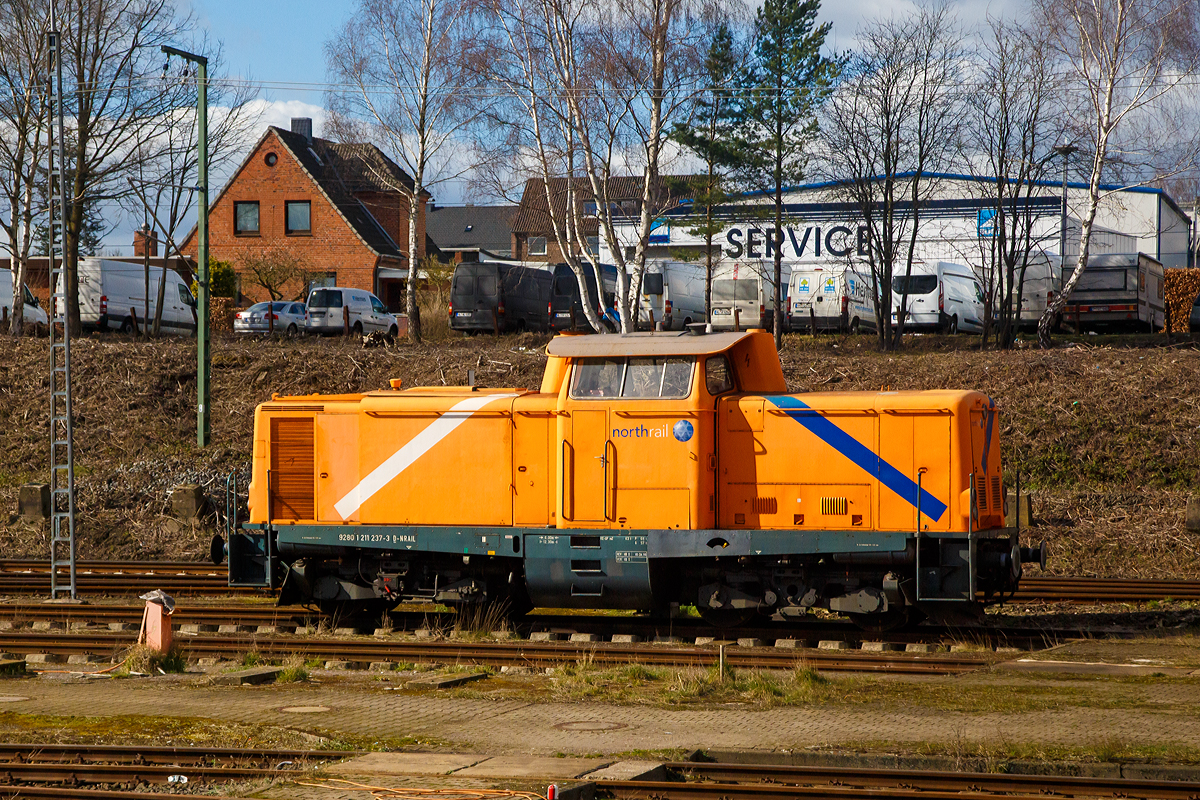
(787, 81)
(709, 137)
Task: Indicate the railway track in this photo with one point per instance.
(253, 618)
(505, 653)
(195, 577)
(26, 769)
(708, 781)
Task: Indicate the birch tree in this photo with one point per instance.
(398, 66)
(22, 126)
(1125, 63)
(590, 91)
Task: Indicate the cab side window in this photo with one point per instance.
(638, 377)
(718, 375)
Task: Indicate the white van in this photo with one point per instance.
(1043, 278)
(941, 296)
(34, 313)
(748, 289)
(822, 293)
(330, 306)
(672, 294)
(112, 293)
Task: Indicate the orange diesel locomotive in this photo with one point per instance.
(648, 469)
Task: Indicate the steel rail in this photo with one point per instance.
(103, 577)
(60, 772)
(805, 631)
(75, 793)
(965, 790)
(540, 654)
(27, 566)
(935, 780)
(39, 752)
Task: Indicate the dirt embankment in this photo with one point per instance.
(1107, 438)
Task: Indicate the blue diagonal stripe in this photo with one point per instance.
(860, 454)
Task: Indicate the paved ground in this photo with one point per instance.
(1130, 710)
(1139, 711)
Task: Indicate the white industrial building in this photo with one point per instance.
(822, 227)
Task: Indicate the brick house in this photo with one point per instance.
(532, 227)
(324, 212)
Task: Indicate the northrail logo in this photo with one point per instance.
(642, 432)
(682, 430)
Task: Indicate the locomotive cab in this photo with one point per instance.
(649, 469)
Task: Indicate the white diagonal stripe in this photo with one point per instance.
(416, 447)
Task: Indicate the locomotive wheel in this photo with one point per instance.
(726, 617)
(891, 620)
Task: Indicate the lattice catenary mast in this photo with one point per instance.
(62, 448)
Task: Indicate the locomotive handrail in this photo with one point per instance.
(431, 413)
(609, 487)
(231, 500)
(824, 412)
(664, 412)
(917, 412)
(565, 494)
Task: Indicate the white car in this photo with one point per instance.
(34, 314)
(289, 318)
(330, 308)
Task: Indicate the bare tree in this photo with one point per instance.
(274, 268)
(164, 189)
(1125, 61)
(1012, 128)
(398, 67)
(895, 117)
(116, 104)
(22, 123)
(591, 89)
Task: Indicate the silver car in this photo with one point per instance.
(288, 318)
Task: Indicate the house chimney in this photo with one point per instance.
(144, 238)
(303, 126)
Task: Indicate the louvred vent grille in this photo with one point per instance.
(292, 480)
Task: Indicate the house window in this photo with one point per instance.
(299, 217)
(245, 219)
(537, 245)
(593, 245)
(590, 208)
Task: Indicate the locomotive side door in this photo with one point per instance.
(589, 449)
(586, 456)
(629, 447)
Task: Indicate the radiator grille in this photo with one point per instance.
(997, 493)
(292, 484)
(834, 506)
(765, 505)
